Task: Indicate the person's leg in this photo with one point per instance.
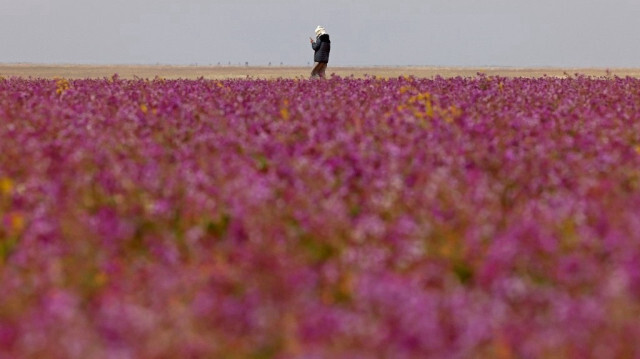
(323, 70)
(315, 72)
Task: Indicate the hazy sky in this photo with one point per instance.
(573, 33)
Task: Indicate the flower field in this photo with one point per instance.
(481, 217)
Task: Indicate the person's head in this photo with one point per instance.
(320, 30)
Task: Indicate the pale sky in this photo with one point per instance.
(520, 33)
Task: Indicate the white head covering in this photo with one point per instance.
(320, 30)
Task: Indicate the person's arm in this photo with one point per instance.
(315, 45)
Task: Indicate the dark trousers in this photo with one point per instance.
(319, 70)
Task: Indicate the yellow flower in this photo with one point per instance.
(6, 185)
(100, 279)
(405, 89)
(284, 111)
(62, 85)
(17, 222)
(144, 108)
(637, 149)
(429, 108)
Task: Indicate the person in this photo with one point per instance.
(322, 48)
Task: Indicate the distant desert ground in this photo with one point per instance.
(272, 72)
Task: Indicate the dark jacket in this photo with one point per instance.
(322, 47)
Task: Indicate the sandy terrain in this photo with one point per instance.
(224, 72)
